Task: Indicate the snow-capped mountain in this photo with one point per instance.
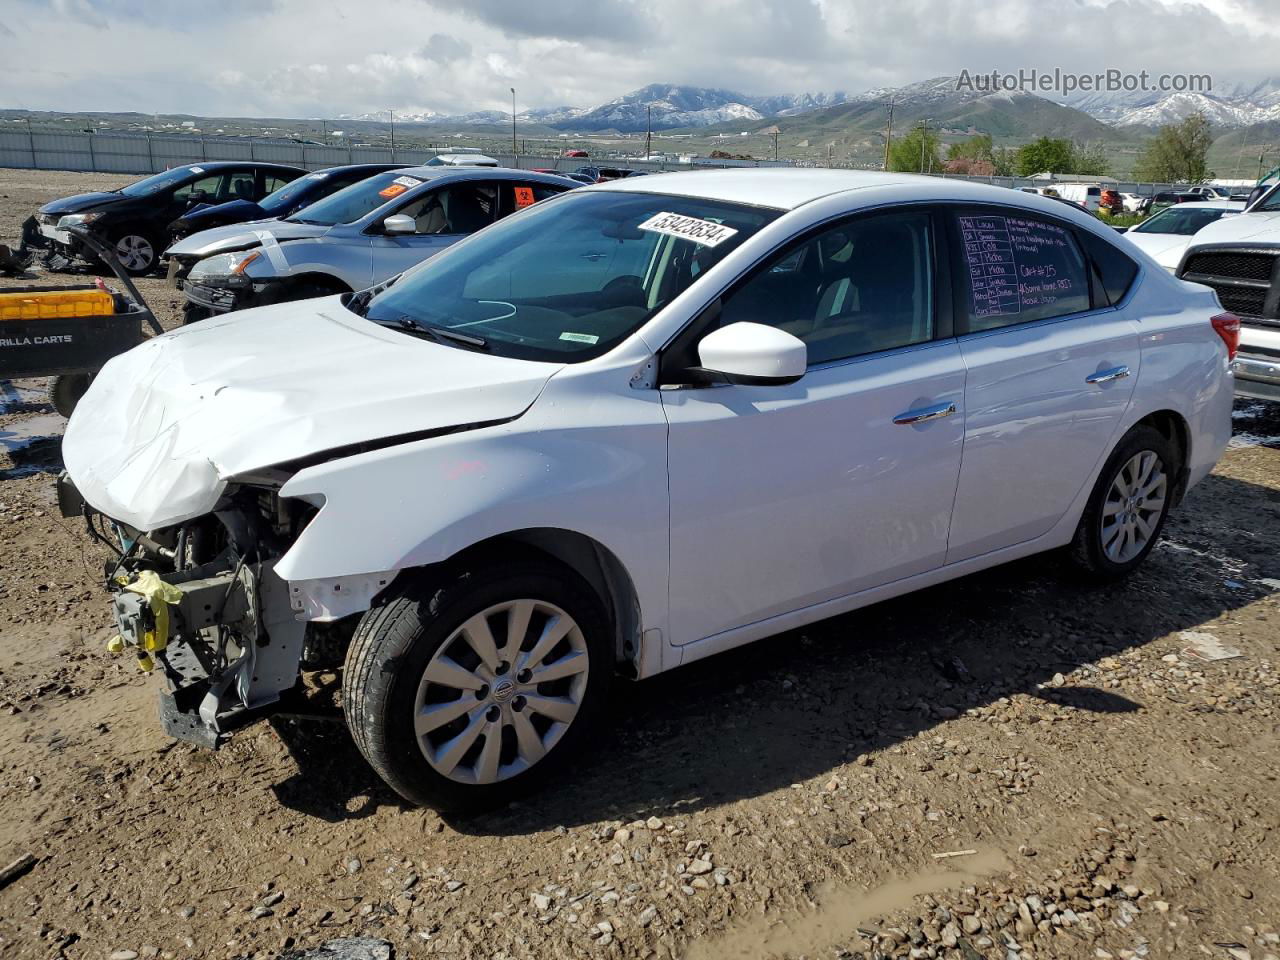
(669, 105)
(675, 105)
(1236, 106)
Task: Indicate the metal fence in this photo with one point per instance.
(143, 154)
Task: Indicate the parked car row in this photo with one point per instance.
(610, 430)
(135, 219)
(350, 240)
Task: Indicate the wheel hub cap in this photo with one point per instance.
(1133, 507)
(501, 691)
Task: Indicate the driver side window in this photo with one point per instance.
(862, 286)
(461, 209)
(206, 190)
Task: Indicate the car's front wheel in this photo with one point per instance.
(136, 251)
(464, 691)
(1129, 505)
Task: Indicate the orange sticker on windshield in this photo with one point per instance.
(394, 190)
(524, 197)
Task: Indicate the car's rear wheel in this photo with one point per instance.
(136, 251)
(1129, 505)
(465, 691)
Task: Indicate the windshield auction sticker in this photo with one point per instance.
(703, 232)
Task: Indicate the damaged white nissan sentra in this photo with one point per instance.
(626, 428)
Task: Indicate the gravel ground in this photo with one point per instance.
(1106, 792)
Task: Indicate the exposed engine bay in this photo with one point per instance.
(201, 601)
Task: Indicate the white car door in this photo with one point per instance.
(1051, 367)
(783, 497)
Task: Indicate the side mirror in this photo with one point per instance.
(752, 354)
(399, 223)
(1256, 194)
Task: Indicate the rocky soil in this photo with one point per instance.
(1014, 766)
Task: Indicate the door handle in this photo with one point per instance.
(1106, 376)
(920, 415)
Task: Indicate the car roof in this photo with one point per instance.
(786, 188)
(215, 165)
(480, 173)
(1209, 205)
(375, 167)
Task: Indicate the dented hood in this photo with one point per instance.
(164, 426)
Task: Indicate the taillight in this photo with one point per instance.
(1228, 327)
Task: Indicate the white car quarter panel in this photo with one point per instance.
(1185, 369)
(788, 496)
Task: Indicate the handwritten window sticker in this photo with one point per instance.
(1014, 265)
(524, 197)
(580, 337)
(407, 181)
(706, 233)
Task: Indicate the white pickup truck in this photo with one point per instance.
(1239, 257)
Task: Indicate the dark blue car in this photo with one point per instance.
(284, 202)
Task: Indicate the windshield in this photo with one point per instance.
(279, 201)
(1271, 204)
(1180, 221)
(351, 203)
(161, 181)
(569, 279)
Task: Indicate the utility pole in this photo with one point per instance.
(888, 137)
(775, 146)
(515, 152)
(393, 134)
(648, 130)
(924, 128)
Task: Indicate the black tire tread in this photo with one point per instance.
(1083, 551)
(386, 634)
(65, 391)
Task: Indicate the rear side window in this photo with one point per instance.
(517, 196)
(1018, 269)
(1115, 269)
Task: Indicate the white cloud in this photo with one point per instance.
(301, 58)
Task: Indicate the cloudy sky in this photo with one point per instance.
(324, 58)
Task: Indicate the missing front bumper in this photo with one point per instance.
(231, 651)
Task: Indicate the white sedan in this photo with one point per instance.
(625, 429)
(1166, 235)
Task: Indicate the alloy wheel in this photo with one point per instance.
(501, 691)
(135, 252)
(1133, 507)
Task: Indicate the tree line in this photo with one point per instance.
(1176, 154)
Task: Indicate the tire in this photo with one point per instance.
(65, 391)
(137, 250)
(193, 313)
(386, 689)
(1102, 547)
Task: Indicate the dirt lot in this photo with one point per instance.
(1116, 796)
